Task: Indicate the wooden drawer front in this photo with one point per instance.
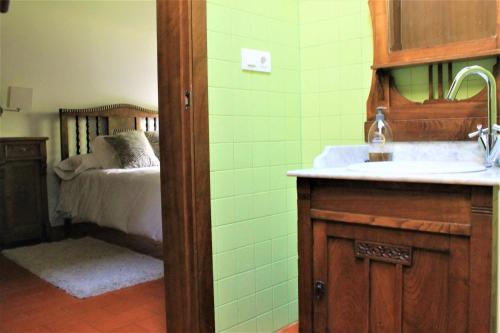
(448, 204)
(22, 150)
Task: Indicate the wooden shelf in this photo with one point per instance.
(434, 60)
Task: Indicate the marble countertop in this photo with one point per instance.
(334, 161)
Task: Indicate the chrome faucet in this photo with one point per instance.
(487, 138)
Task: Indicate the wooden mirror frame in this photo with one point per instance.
(383, 58)
(436, 119)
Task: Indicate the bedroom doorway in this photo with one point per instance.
(183, 112)
(80, 57)
(58, 34)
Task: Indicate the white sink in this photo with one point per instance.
(416, 167)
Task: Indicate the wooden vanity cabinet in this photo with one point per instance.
(393, 257)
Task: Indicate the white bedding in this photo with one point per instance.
(124, 199)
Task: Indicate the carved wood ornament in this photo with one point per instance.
(436, 119)
(383, 252)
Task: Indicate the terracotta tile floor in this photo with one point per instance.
(29, 304)
(293, 328)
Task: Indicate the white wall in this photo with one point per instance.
(75, 54)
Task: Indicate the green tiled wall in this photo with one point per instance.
(336, 54)
(262, 125)
(255, 138)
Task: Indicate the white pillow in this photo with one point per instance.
(105, 155)
(75, 165)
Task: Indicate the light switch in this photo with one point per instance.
(256, 60)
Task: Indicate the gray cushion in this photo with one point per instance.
(154, 140)
(133, 150)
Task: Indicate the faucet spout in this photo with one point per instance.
(491, 145)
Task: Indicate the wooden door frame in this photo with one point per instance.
(185, 172)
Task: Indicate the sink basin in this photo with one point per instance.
(417, 167)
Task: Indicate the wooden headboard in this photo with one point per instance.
(101, 120)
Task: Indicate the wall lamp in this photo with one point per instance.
(19, 99)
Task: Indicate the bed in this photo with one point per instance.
(122, 206)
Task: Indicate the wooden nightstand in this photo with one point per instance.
(23, 190)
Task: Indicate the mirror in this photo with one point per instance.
(445, 22)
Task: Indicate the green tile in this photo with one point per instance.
(265, 323)
(293, 153)
(242, 155)
(292, 243)
(223, 184)
(221, 101)
(222, 73)
(260, 179)
(246, 308)
(218, 18)
(222, 156)
(280, 294)
(263, 277)
(249, 326)
(263, 253)
(310, 105)
(246, 283)
(293, 311)
(292, 105)
(280, 317)
(228, 315)
(262, 226)
(277, 176)
(277, 153)
(279, 271)
(311, 128)
(223, 211)
(264, 300)
(222, 128)
(261, 129)
(246, 260)
(277, 201)
(228, 290)
(242, 131)
(261, 204)
(280, 248)
(225, 264)
(243, 181)
(293, 289)
(242, 23)
(243, 207)
(219, 46)
(277, 129)
(233, 236)
(293, 128)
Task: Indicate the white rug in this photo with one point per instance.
(86, 267)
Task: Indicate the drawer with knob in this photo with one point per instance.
(24, 150)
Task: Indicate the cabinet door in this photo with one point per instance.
(22, 200)
(383, 280)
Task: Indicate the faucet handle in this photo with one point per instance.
(480, 131)
(496, 128)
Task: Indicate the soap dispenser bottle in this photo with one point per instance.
(380, 138)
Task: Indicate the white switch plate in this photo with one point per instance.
(256, 60)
